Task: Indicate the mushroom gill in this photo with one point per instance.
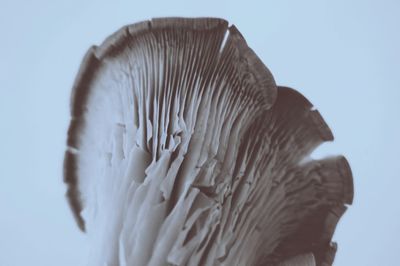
(182, 150)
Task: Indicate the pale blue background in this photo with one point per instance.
(343, 55)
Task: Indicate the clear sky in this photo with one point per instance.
(343, 55)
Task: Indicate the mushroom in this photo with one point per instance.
(182, 150)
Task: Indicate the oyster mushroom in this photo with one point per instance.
(182, 150)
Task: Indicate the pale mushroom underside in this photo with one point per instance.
(183, 151)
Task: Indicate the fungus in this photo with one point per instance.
(182, 150)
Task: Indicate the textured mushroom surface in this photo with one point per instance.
(182, 150)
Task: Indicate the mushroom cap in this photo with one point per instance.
(182, 150)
